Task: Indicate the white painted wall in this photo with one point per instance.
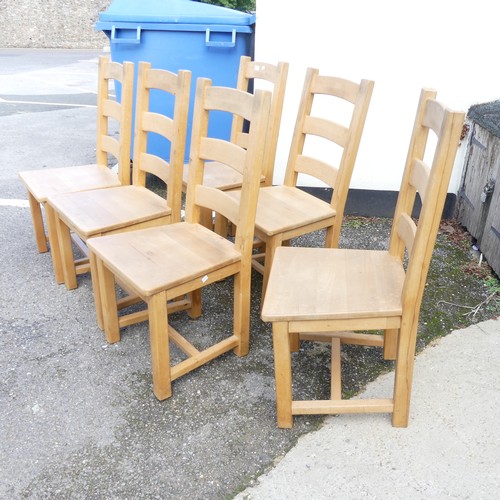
(452, 46)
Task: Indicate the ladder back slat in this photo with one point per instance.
(420, 177)
(223, 152)
(217, 200)
(160, 124)
(317, 168)
(407, 230)
(331, 85)
(110, 145)
(326, 129)
(155, 165)
(112, 109)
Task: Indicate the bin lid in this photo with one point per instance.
(174, 12)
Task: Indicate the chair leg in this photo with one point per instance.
(55, 250)
(336, 373)
(404, 375)
(221, 225)
(108, 302)
(37, 219)
(283, 374)
(206, 218)
(66, 253)
(241, 320)
(195, 299)
(160, 349)
(94, 273)
(391, 343)
(332, 237)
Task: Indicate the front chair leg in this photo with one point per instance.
(108, 302)
(37, 218)
(160, 349)
(283, 374)
(391, 343)
(94, 274)
(55, 249)
(66, 253)
(404, 375)
(241, 308)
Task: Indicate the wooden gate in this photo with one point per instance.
(478, 207)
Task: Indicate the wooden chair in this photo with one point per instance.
(162, 263)
(125, 208)
(319, 293)
(224, 177)
(43, 183)
(286, 211)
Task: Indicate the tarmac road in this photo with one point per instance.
(78, 418)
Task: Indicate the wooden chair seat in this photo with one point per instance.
(284, 209)
(206, 257)
(48, 182)
(92, 213)
(43, 183)
(372, 283)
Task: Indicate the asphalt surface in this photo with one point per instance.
(78, 418)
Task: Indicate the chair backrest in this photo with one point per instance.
(255, 109)
(346, 137)
(173, 129)
(109, 108)
(431, 183)
(276, 75)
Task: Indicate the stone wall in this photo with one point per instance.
(67, 24)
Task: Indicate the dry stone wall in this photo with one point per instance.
(64, 24)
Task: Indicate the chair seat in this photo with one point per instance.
(43, 183)
(91, 213)
(283, 208)
(163, 257)
(219, 176)
(326, 283)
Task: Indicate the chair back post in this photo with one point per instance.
(299, 136)
(449, 128)
(254, 157)
(242, 83)
(178, 143)
(140, 134)
(199, 130)
(407, 193)
(349, 154)
(121, 112)
(249, 72)
(102, 120)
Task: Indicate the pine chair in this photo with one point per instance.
(125, 208)
(43, 183)
(162, 263)
(319, 293)
(223, 176)
(286, 211)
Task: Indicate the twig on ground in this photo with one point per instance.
(473, 309)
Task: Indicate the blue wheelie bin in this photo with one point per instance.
(180, 34)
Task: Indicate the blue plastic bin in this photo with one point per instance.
(180, 34)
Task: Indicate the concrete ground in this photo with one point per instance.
(78, 418)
